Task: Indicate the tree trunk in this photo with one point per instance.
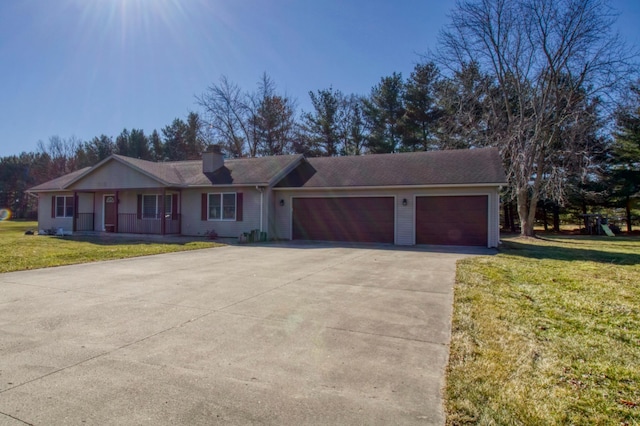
(556, 217)
(526, 213)
(512, 217)
(507, 218)
(628, 211)
(544, 216)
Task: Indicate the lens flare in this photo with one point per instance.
(5, 214)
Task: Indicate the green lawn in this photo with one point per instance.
(19, 251)
(547, 332)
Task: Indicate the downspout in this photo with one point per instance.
(258, 188)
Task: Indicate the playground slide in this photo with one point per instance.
(607, 230)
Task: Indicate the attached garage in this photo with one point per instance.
(436, 198)
(452, 220)
(350, 219)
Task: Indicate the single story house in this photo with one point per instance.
(438, 197)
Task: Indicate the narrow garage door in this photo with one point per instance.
(353, 219)
(459, 220)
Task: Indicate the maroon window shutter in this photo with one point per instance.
(53, 206)
(203, 207)
(75, 205)
(174, 207)
(139, 206)
(239, 204)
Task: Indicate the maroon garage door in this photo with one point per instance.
(353, 219)
(459, 220)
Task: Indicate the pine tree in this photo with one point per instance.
(625, 156)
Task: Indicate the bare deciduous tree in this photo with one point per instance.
(464, 100)
(552, 62)
(62, 154)
(249, 123)
(273, 119)
(228, 111)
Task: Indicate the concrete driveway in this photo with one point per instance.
(286, 334)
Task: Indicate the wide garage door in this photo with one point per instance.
(456, 220)
(353, 219)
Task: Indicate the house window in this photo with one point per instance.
(152, 205)
(64, 206)
(222, 206)
(168, 206)
(149, 206)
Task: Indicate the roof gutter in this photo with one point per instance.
(350, 188)
(231, 185)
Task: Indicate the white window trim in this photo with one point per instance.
(168, 210)
(160, 211)
(221, 195)
(155, 214)
(64, 215)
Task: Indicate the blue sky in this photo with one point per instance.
(86, 67)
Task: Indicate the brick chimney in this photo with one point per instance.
(212, 159)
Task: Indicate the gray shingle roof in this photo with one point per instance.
(242, 171)
(238, 171)
(452, 167)
(455, 167)
(59, 183)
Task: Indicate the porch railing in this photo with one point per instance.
(129, 223)
(84, 222)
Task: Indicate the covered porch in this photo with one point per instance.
(144, 211)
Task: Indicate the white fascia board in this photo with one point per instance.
(352, 188)
(43, 191)
(233, 185)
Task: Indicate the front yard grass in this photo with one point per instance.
(547, 332)
(19, 251)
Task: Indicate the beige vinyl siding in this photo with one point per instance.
(281, 217)
(115, 175)
(86, 205)
(191, 210)
(85, 202)
(270, 212)
(494, 219)
(45, 221)
(404, 218)
(98, 220)
(128, 200)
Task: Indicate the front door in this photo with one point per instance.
(110, 213)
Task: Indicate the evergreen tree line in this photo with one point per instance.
(536, 79)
